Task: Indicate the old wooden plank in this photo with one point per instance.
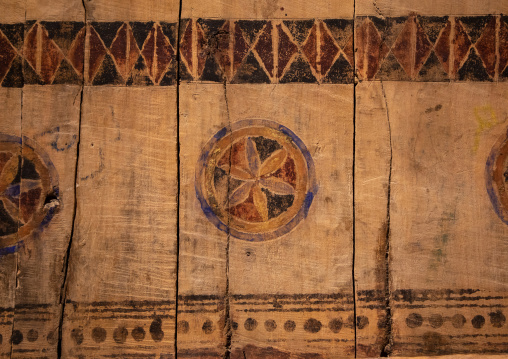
(54, 10)
(235, 276)
(372, 171)
(420, 176)
(127, 186)
(202, 274)
(265, 9)
(10, 129)
(50, 119)
(297, 285)
(310, 278)
(447, 244)
(43, 191)
(121, 290)
(385, 8)
(442, 297)
(118, 10)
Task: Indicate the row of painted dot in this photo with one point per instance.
(99, 334)
(415, 320)
(120, 334)
(17, 336)
(311, 325)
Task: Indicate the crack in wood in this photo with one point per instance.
(16, 284)
(65, 266)
(388, 338)
(178, 188)
(353, 184)
(227, 319)
(227, 310)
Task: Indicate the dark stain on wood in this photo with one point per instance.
(99, 334)
(77, 336)
(254, 352)
(138, 333)
(7, 55)
(287, 172)
(299, 29)
(497, 319)
(156, 331)
(435, 343)
(120, 335)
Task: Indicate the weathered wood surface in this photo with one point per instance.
(438, 149)
(326, 180)
(10, 123)
(222, 266)
(127, 170)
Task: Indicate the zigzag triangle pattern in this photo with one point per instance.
(122, 53)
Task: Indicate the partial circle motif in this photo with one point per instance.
(28, 183)
(496, 176)
(255, 179)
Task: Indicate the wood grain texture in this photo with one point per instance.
(372, 172)
(59, 10)
(10, 123)
(34, 273)
(126, 215)
(14, 11)
(292, 266)
(50, 122)
(266, 9)
(445, 242)
(441, 144)
(432, 7)
(151, 10)
(456, 240)
(302, 180)
(315, 258)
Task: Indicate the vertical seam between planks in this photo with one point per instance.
(177, 249)
(65, 267)
(353, 176)
(227, 310)
(388, 342)
(19, 200)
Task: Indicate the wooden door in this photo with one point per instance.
(253, 179)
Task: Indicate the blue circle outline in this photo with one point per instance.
(501, 212)
(312, 187)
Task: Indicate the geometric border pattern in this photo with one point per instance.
(437, 322)
(329, 51)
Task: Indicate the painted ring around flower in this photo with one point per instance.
(27, 178)
(496, 177)
(255, 179)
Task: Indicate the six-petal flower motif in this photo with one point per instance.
(256, 177)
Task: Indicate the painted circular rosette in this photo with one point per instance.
(255, 180)
(497, 177)
(27, 180)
